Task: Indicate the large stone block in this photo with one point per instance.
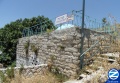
(68, 53)
(71, 49)
(76, 54)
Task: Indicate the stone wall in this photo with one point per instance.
(29, 71)
(61, 48)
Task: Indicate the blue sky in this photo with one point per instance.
(11, 10)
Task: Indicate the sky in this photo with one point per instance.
(11, 10)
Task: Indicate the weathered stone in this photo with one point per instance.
(64, 56)
(50, 44)
(64, 45)
(75, 46)
(72, 66)
(44, 40)
(76, 42)
(68, 60)
(78, 37)
(76, 54)
(1, 65)
(76, 62)
(71, 72)
(75, 58)
(51, 54)
(69, 37)
(71, 49)
(68, 53)
(56, 41)
(53, 51)
(44, 46)
(61, 69)
(70, 57)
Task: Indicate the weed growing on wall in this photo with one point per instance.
(50, 64)
(62, 48)
(34, 49)
(26, 47)
(49, 31)
(52, 57)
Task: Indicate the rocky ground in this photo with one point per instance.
(99, 75)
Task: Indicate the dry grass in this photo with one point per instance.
(45, 78)
(101, 77)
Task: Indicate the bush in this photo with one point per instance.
(14, 64)
(2, 77)
(10, 72)
(21, 69)
(49, 31)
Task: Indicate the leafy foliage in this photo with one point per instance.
(49, 30)
(21, 69)
(2, 76)
(10, 34)
(10, 72)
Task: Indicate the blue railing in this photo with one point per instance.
(90, 23)
(34, 30)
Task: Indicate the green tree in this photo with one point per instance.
(10, 34)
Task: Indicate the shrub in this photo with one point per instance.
(21, 69)
(10, 72)
(49, 30)
(2, 77)
(14, 64)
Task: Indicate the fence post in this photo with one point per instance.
(82, 38)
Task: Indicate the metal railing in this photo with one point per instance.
(82, 55)
(90, 48)
(90, 23)
(96, 44)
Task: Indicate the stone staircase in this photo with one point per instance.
(97, 58)
(99, 61)
(98, 64)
